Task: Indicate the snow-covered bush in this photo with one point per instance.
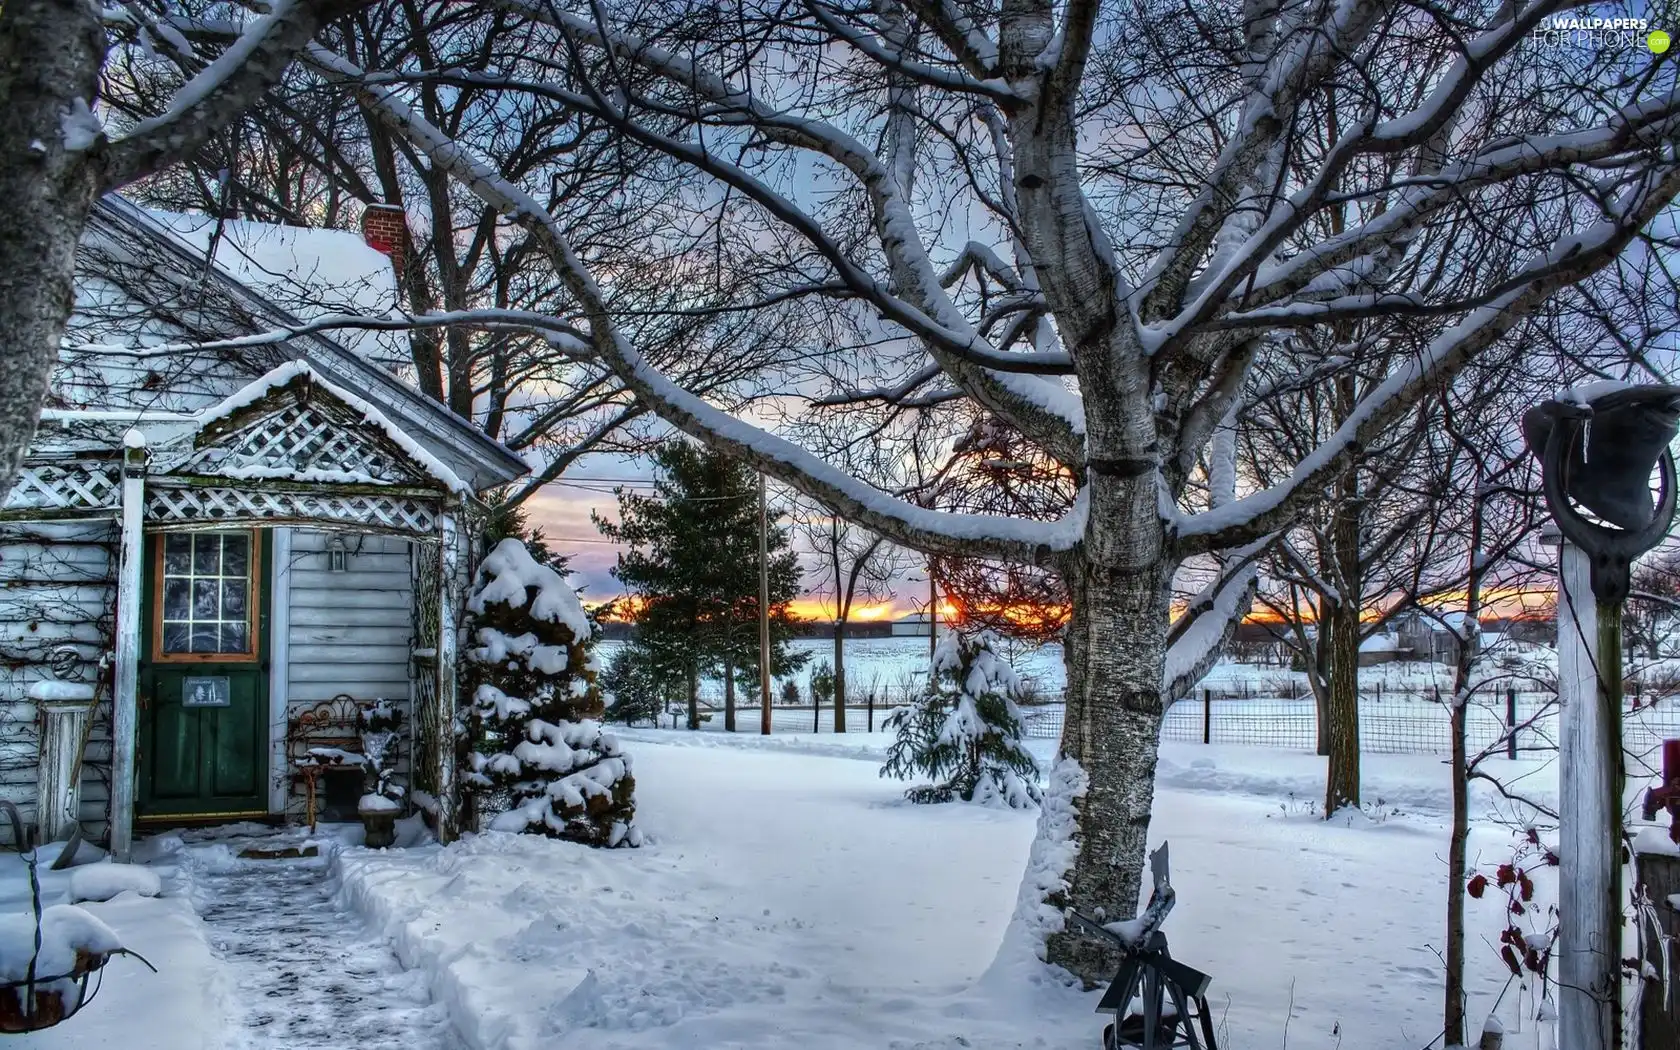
(964, 730)
(538, 760)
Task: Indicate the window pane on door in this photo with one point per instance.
(206, 593)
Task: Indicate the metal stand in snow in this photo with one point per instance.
(1598, 449)
(1170, 997)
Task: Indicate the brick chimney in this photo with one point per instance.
(385, 229)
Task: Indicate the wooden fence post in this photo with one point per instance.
(1511, 722)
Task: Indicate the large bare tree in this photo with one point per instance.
(1092, 220)
(56, 159)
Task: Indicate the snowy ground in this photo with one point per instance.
(303, 971)
(789, 897)
(179, 1008)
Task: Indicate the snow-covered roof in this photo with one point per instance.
(1380, 643)
(310, 272)
(286, 373)
(142, 281)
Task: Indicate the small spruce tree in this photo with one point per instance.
(636, 686)
(964, 731)
(538, 760)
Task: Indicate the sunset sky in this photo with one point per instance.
(562, 510)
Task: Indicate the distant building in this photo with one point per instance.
(1436, 637)
(1379, 648)
(916, 625)
(854, 629)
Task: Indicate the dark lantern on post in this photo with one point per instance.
(1599, 451)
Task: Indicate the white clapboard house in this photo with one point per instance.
(208, 545)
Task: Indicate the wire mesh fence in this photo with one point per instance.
(1509, 723)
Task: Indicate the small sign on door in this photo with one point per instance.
(206, 692)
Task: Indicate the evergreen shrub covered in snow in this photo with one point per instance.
(538, 760)
(964, 730)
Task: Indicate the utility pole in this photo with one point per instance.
(933, 610)
(763, 612)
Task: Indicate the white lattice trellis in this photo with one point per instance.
(202, 503)
(304, 442)
(67, 487)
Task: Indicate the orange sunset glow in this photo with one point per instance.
(1511, 603)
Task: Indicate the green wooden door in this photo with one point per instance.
(204, 681)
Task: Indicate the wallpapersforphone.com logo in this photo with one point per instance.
(1605, 34)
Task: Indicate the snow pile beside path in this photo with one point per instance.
(782, 900)
(101, 882)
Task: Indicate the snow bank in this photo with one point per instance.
(101, 882)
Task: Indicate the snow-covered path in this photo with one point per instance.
(304, 974)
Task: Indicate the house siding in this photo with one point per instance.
(57, 589)
(347, 631)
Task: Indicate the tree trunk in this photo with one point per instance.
(50, 55)
(1114, 651)
(693, 695)
(1341, 786)
(1458, 844)
(1341, 782)
(839, 675)
(1320, 687)
(1456, 849)
(728, 696)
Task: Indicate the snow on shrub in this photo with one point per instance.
(538, 760)
(964, 730)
